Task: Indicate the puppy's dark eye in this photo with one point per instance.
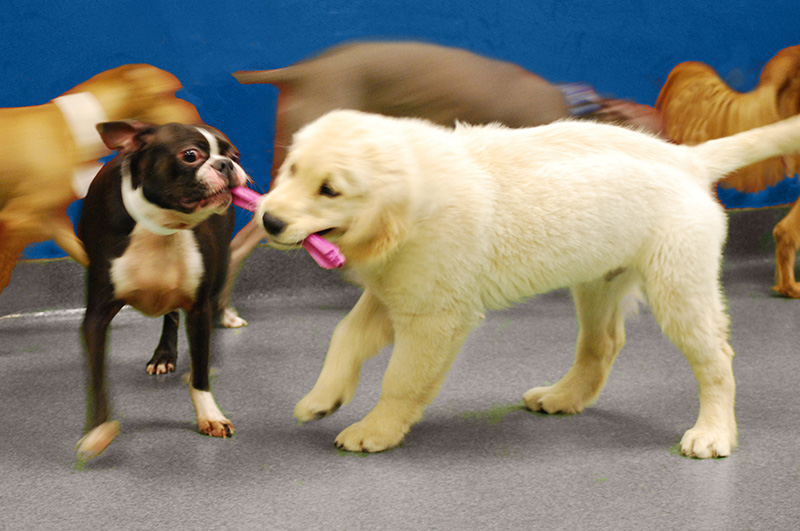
(328, 191)
(189, 156)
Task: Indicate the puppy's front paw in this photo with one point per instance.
(314, 407)
(369, 435)
(553, 400)
(93, 443)
(705, 444)
(216, 427)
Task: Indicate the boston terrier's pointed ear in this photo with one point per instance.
(124, 136)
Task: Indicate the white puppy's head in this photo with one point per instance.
(345, 177)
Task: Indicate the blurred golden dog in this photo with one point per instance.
(438, 225)
(696, 105)
(50, 152)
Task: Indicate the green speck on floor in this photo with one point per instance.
(494, 415)
(675, 450)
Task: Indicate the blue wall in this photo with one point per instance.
(622, 47)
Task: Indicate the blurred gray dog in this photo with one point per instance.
(421, 80)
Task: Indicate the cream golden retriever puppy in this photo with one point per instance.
(438, 225)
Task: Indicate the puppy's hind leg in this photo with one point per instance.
(359, 336)
(600, 338)
(690, 310)
(166, 354)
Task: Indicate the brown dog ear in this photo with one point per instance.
(123, 136)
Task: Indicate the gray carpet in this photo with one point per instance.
(477, 460)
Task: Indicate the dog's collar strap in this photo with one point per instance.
(82, 113)
(136, 204)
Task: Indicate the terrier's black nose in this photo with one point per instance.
(224, 166)
(272, 224)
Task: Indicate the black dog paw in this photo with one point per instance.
(162, 363)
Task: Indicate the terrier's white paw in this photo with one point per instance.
(216, 427)
(231, 319)
(93, 443)
(210, 420)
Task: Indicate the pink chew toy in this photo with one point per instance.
(325, 253)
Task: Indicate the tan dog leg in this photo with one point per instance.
(600, 338)
(787, 240)
(10, 250)
(359, 336)
(241, 246)
(425, 347)
(64, 236)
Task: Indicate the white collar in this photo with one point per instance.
(137, 206)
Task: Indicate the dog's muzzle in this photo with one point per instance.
(226, 168)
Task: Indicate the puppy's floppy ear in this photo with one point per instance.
(124, 136)
(385, 221)
(377, 231)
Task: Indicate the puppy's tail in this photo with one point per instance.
(724, 155)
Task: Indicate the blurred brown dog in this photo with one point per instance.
(50, 152)
(696, 106)
(411, 79)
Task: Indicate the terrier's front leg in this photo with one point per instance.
(210, 420)
(99, 430)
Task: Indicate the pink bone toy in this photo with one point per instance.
(325, 253)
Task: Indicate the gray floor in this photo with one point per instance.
(476, 461)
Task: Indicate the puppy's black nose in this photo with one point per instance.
(272, 224)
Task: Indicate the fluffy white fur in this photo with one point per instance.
(438, 225)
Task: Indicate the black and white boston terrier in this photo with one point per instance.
(156, 225)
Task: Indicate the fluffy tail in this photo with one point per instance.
(724, 155)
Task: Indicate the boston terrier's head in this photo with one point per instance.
(174, 176)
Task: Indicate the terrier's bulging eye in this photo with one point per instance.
(189, 156)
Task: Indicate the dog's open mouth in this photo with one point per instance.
(219, 198)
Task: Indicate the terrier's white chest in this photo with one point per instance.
(157, 274)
